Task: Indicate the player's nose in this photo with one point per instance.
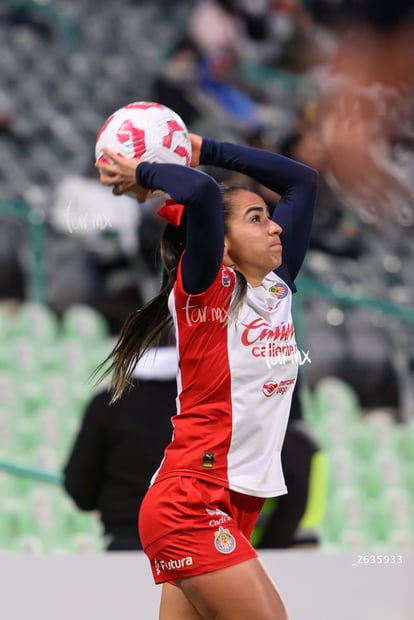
(275, 228)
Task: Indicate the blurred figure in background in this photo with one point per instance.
(356, 349)
(6, 113)
(367, 109)
(119, 447)
(335, 230)
(94, 255)
(13, 276)
(218, 32)
(295, 519)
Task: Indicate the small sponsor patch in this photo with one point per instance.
(269, 388)
(224, 541)
(208, 460)
(279, 290)
(225, 278)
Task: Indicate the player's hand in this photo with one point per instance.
(121, 174)
(196, 142)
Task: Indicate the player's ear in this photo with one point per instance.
(226, 257)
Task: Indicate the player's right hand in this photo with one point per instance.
(121, 174)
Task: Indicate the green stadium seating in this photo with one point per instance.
(36, 321)
(45, 384)
(83, 322)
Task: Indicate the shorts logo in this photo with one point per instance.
(172, 565)
(279, 290)
(222, 517)
(224, 541)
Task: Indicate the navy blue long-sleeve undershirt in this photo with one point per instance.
(294, 182)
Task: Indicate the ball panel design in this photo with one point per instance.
(148, 130)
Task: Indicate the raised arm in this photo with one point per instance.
(197, 191)
(296, 184)
(205, 229)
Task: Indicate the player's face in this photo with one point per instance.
(252, 243)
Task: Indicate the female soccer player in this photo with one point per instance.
(227, 290)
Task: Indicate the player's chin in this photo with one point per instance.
(276, 260)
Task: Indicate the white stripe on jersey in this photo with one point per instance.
(263, 363)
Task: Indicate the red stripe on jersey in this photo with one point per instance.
(203, 426)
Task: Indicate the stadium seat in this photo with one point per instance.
(404, 443)
(16, 520)
(84, 323)
(29, 544)
(362, 441)
(336, 398)
(378, 519)
(34, 320)
(369, 479)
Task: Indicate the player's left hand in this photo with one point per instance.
(121, 174)
(196, 142)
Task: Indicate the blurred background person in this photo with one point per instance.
(367, 107)
(94, 249)
(295, 519)
(120, 446)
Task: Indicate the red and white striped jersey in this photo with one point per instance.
(235, 382)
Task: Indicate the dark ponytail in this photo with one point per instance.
(145, 327)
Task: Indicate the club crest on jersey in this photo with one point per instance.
(279, 290)
(224, 541)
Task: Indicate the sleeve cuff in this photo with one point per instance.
(207, 151)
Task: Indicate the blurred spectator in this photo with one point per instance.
(120, 446)
(13, 275)
(26, 15)
(93, 250)
(367, 107)
(304, 44)
(218, 31)
(6, 113)
(335, 230)
(294, 519)
(356, 349)
(83, 209)
(216, 26)
(175, 84)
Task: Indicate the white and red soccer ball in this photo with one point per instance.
(151, 131)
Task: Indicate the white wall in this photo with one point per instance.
(314, 585)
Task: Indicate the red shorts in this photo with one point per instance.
(189, 526)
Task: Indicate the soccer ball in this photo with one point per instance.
(148, 130)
